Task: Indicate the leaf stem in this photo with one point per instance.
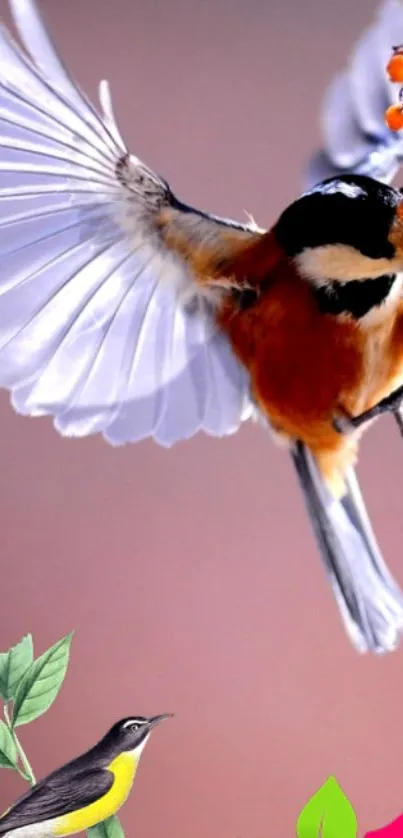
(26, 772)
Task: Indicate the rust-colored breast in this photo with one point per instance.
(303, 364)
(395, 354)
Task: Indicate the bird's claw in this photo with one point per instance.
(390, 404)
(343, 424)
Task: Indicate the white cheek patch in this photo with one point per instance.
(336, 261)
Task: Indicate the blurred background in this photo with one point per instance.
(191, 576)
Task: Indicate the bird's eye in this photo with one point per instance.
(134, 727)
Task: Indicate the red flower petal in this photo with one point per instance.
(392, 830)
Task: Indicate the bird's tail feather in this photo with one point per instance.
(369, 599)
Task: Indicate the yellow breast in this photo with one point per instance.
(123, 769)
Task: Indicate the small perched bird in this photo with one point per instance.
(86, 790)
(125, 311)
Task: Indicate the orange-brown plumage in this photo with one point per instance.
(306, 367)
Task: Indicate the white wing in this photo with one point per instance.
(355, 135)
(93, 326)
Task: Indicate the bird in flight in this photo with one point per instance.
(127, 312)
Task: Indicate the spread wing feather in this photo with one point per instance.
(102, 322)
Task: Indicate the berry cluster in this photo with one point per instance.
(394, 69)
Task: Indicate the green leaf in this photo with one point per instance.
(41, 683)
(13, 666)
(328, 814)
(8, 750)
(111, 828)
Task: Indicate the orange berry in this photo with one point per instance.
(395, 68)
(394, 117)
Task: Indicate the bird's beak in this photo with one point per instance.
(155, 720)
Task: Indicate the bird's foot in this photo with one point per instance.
(390, 404)
(343, 424)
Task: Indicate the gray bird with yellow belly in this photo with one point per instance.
(85, 791)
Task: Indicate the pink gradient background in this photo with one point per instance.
(191, 576)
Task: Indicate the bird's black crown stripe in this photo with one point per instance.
(355, 297)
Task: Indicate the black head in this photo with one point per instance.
(131, 733)
(352, 210)
(351, 216)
